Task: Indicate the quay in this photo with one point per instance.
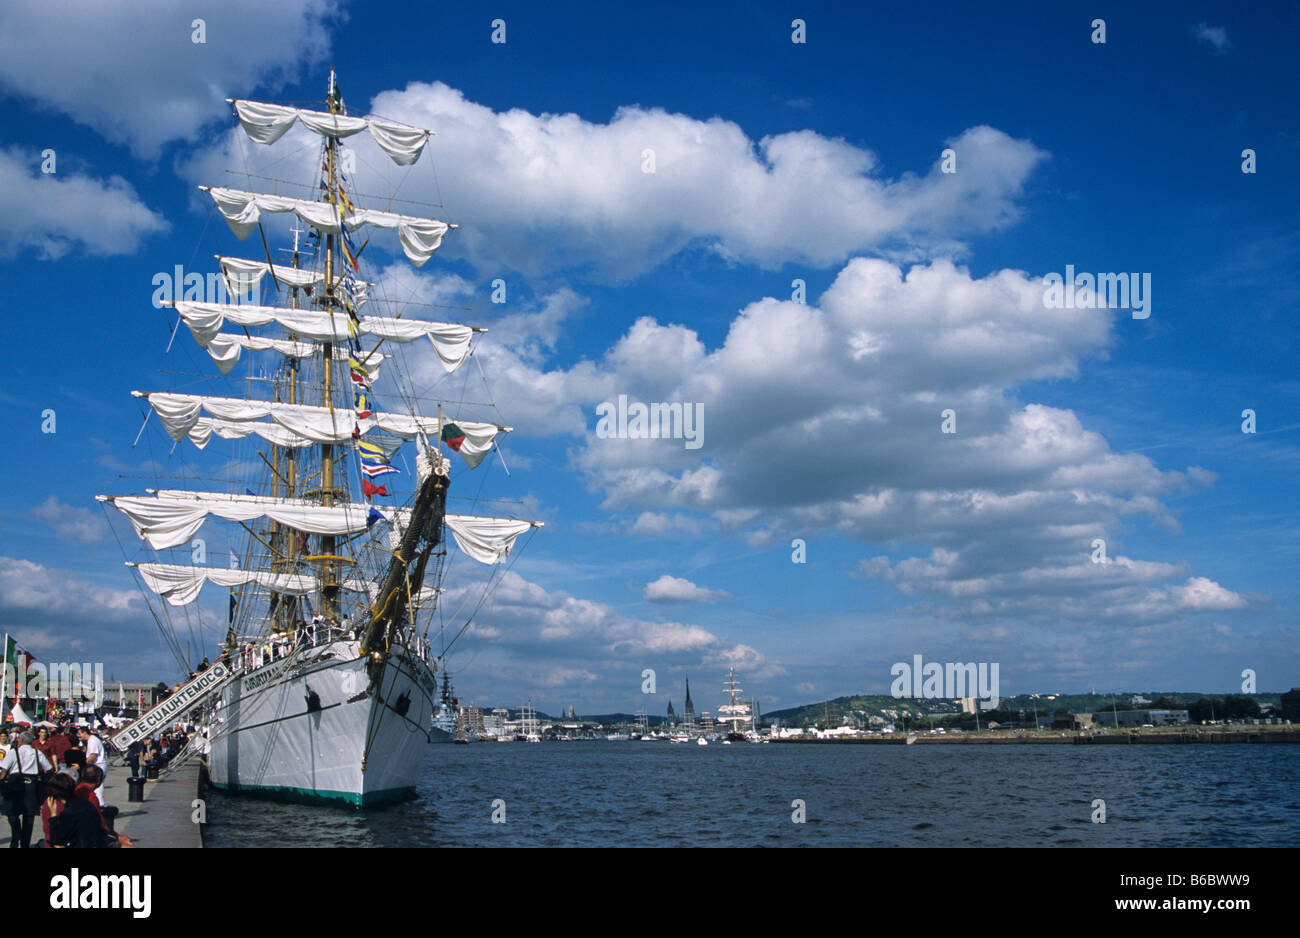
(164, 818)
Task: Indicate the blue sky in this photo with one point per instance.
(775, 161)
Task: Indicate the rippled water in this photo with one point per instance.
(661, 795)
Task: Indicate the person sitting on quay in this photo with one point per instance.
(107, 813)
(91, 779)
(74, 822)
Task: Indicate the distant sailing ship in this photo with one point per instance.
(528, 725)
(736, 714)
(338, 710)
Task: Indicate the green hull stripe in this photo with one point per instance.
(314, 796)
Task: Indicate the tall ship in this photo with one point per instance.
(736, 714)
(325, 686)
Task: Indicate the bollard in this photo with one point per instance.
(135, 788)
(151, 772)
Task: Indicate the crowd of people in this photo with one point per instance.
(281, 643)
(56, 774)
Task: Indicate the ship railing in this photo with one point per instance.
(254, 656)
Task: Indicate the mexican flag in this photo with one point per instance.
(10, 667)
(473, 442)
(17, 660)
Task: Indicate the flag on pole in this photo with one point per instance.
(349, 249)
(374, 461)
(360, 374)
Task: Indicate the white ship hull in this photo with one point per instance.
(358, 748)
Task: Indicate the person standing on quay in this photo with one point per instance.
(59, 744)
(23, 800)
(95, 755)
(133, 758)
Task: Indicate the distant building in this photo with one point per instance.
(690, 707)
(1140, 717)
(968, 705)
(671, 717)
(1071, 721)
(1138, 700)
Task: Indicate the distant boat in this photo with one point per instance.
(445, 714)
(702, 742)
(529, 720)
(737, 714)
(618, 737)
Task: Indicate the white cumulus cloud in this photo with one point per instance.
(53, 214)
(671, 589)
(131, 70)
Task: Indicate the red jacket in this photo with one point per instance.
(59, 744)
(87, 791)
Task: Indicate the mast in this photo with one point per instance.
(300, 509)
(329, 585)
(286, 546)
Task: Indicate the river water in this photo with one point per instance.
(599, 793)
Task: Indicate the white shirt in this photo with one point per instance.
(95, 753)
(25, 759)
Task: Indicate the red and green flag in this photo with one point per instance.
(453, 436)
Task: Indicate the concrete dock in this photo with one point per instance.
(165, 817)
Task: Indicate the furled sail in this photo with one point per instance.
(267, 123)
(180, 584)
(243, 275)
(487, 540)
(171, 517)
(201, 433)
(450, 340)
(226, 349)
(179, 414)
(419, 237)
